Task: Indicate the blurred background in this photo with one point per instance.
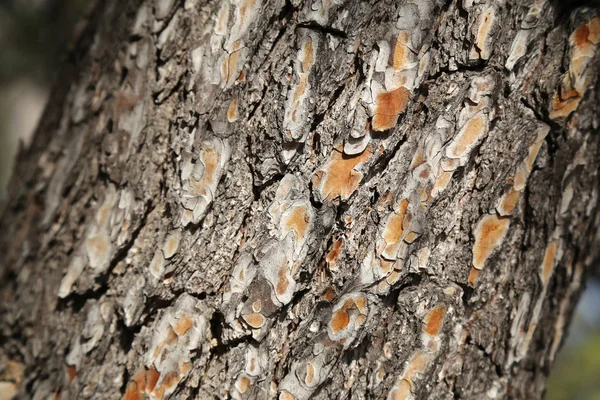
(33, 35)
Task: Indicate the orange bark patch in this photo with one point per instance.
(594, 30)
(139, 378)
(581, 35)
(473, 275)
(563, 108)
(282, 281)
(387, 350)
(210, 160)
(244, 8)
(334, 253)
(11, 389)
(339, 320)
(329, 294)
(483, 32)
(401, 391)
(307, 56)
(450, 164)
(251, 365)
(71, 372)
(340, 179)
(310, 374)
(384, 267)
(152, 376)
(411, 237)
(171, 245)
(243, 384)
(284, 395)
(230, 64)
(393, 278)
(13, 371)
(468, 136)
(583, 40)
(418, 159)
(183, 325)
(521, 176)
(361, 304)
(241, 275)
(441, 183)
(508, 202)
(144, 381)
(393, 229)
(360, 320)
(232, 111)
(424, 174)
(296, 221)
(433, 320)
(222, 19)
(255, 320)
(299, 92)
(534, 149)
(171, 338)
(185, 368)
(97, 246)
(104, 212)
(242, 76)
(417, 364)
(132, 392)
(489, 234)
(583, 43)
(389, 105)
(402, 54)
(548, 263)
(168, 383)
(380, 373)
(188, 214)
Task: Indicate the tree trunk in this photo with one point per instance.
(257, 199)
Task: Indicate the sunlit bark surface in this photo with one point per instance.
(256, 199)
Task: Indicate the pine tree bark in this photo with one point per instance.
(257, 199)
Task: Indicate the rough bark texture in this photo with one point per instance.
(305, 199)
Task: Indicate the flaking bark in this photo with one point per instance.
(305, 199)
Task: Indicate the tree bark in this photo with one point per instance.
(294, 199)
